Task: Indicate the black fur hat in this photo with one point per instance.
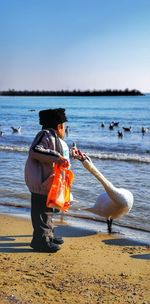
(52, 117)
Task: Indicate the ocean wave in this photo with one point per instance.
(103, 155)
(121, 157)
(14, 148)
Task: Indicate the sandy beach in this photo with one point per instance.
(90, 268)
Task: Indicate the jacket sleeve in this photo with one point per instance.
(43, 149)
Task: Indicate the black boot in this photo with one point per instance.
(44, 245)
(58, 240)
(42, 225)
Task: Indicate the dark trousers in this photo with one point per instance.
(41, 218)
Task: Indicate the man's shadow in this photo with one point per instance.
(8, 244)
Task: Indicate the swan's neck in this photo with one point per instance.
(121, 197)
(91, 168)
(115, 194)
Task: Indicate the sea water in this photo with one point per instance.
(123, 161)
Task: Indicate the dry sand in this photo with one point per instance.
(89, 269)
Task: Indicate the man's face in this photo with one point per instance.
(61, 130)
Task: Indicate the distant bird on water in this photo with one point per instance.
(111, 126)
(127, 129)
(115, 123)
(144, 130)
(16, 130)
(120, 134)
(102, 125)
(1, 133)
(67, 130)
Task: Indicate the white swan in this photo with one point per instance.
(114, 202)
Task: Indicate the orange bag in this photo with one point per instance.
(59, 194)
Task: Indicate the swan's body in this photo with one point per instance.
(114, 202)
(109, 208)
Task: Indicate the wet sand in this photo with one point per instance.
(90, 268)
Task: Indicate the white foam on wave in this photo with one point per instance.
(14, 148)
(121, 157)
(103, 155)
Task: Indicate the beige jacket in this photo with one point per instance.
(45, 150)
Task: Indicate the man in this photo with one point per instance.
(45, 151)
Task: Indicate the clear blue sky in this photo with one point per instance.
(75, 44)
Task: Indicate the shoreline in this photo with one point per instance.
(91, 267)
(93, 223)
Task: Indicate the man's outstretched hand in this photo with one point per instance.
(77, 154)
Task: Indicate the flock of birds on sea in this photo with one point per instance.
(112, 126)
(120, 133)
